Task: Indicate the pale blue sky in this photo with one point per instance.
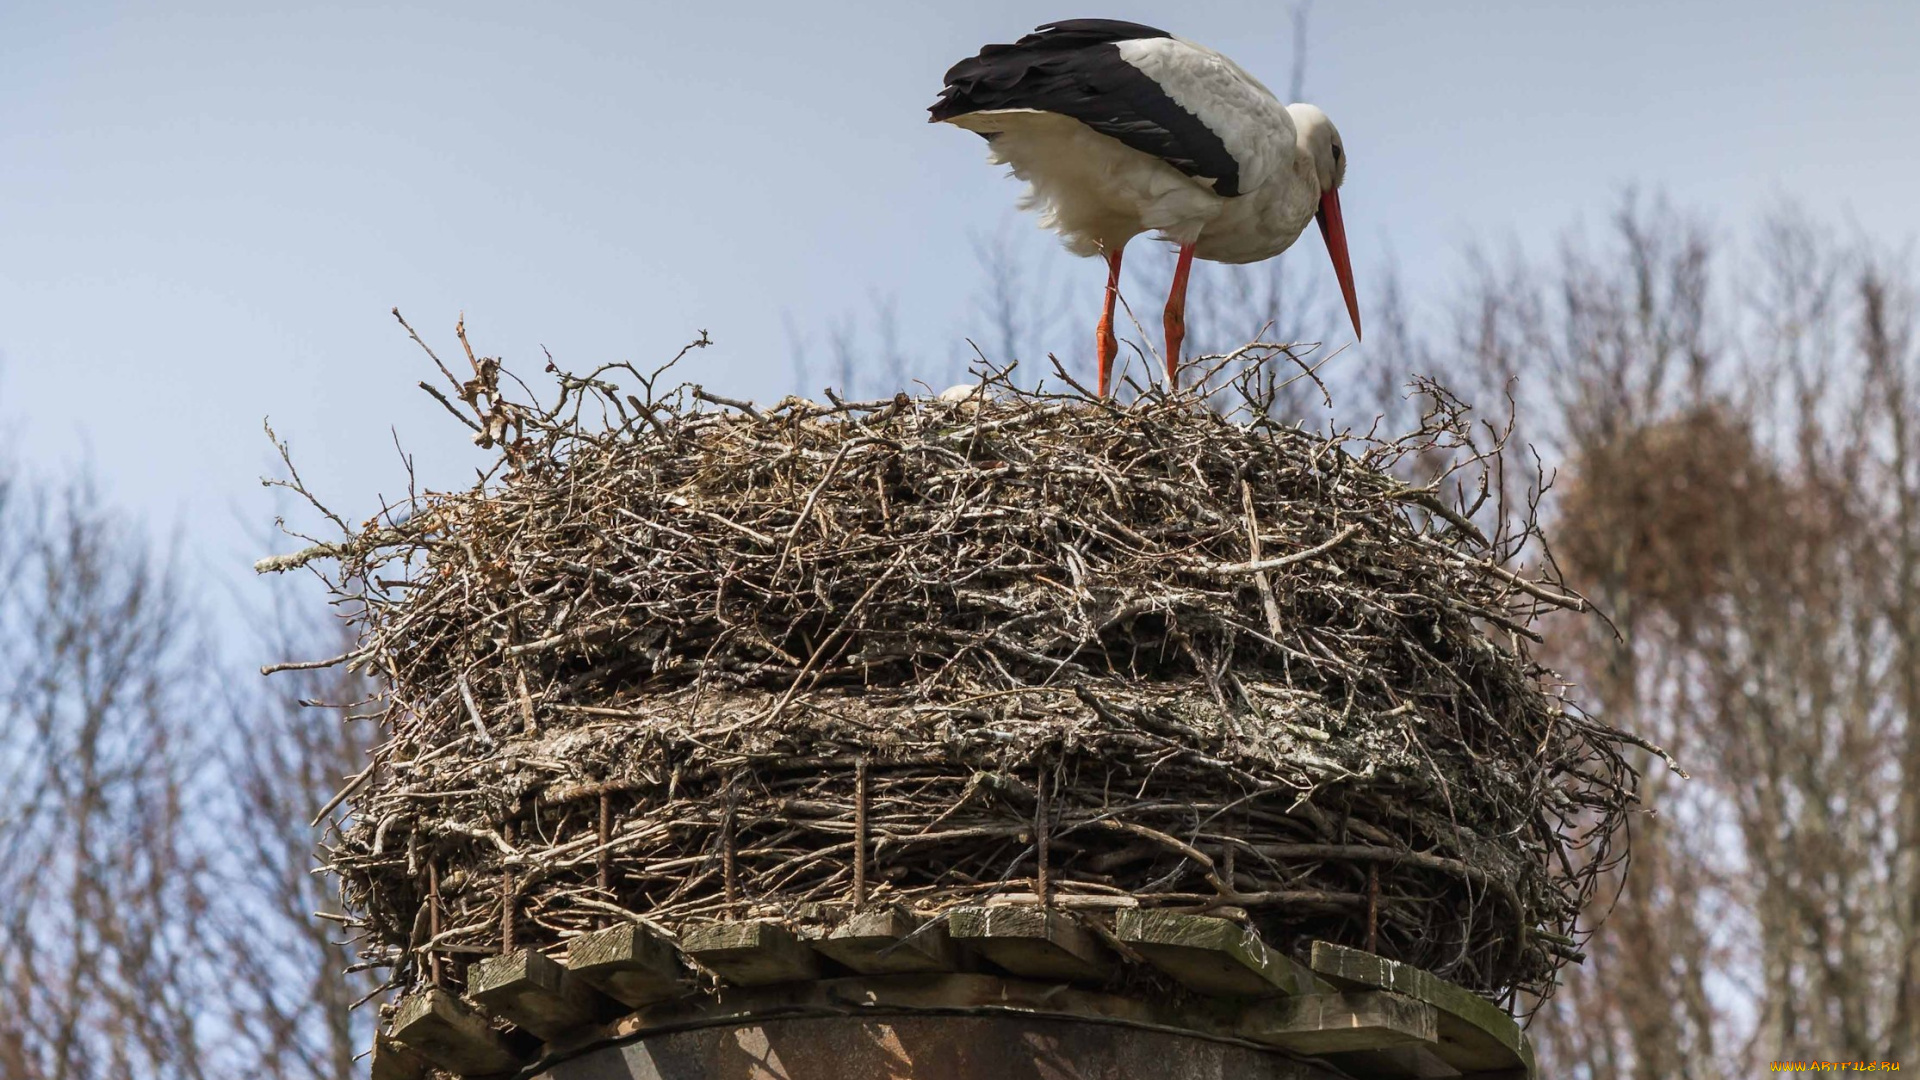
(207, 209)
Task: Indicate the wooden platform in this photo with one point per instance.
(887, 971)
(928, 1048)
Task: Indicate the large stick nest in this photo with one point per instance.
(677, 658)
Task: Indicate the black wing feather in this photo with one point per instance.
(1074, 68)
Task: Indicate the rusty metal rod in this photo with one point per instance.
(433, 921)
(729, 873)
(605, 877)
(1042, 885)
(506, 899)
(1373, 908)
(860, 834)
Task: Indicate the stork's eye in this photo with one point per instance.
(1336, 151)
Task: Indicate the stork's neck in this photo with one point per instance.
(1266, 221)
(1294, 202)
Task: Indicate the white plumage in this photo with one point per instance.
(1121, 129)
(1090, 188)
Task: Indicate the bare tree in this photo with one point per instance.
(156, 901)
(1018, 307)
(102, 888)
(1011, 304)
(1740, 498)
(293, 984)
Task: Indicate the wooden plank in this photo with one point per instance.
(1034, 942)
(450, 1034)
(630, 964)
(888, 941)
(750, 953)
(1475, 1034)
(395, 1061)
(536, 994)
(1213, 956)
(1338, 1023)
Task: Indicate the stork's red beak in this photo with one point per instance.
(1335, 233)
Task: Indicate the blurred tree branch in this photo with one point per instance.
(154, 889)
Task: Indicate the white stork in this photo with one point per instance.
(1121, 129)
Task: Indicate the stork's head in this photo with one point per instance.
(1321, 146)
(1320, 141)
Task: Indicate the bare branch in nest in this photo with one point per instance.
(1258, 566)
(731, 403)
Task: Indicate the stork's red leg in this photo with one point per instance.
(1176, 322)
(1104, 341)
